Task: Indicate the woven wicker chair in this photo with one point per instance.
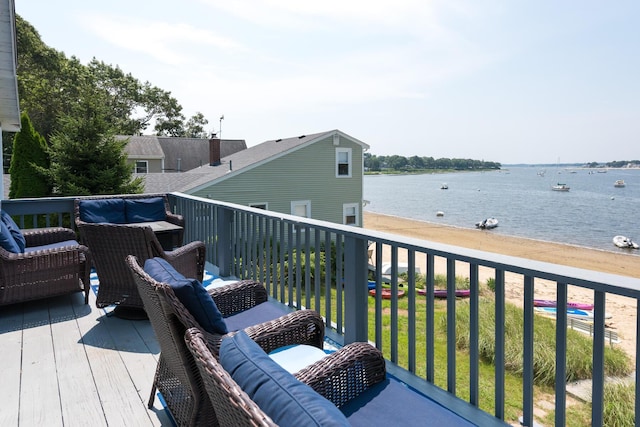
(339, 377)
(47, 272)
(177, 377)
(111, 243)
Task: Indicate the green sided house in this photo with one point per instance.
(316, 176)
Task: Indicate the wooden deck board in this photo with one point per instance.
(11, 344)
(69, 364)
(39, 397)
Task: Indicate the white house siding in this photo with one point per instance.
(308, 173)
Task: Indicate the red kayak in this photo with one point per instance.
(386, 293)
(570, 304)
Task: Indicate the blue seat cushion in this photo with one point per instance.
(258, 314)
(145, 210)
(51, 246)
(279, 394)
(6, 239)
(102, 210)
(392, 403)
(191, 294)
(14, 229)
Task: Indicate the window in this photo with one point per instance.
(301, 208)
(350, 214)
(142, 166)
(343, 162)
(264, 206)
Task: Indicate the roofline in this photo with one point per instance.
(233, 173)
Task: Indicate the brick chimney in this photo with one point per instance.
(214, 151)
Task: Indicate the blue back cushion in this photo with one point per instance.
(279, 394)
(145, 210)
(102, 210)
(6, 239)
(191, 294)
(14, 230)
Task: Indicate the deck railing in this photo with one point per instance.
(326, 267)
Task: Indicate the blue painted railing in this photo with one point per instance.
(285, 253)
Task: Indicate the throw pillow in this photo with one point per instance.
(15, 230)
(279, 394)
(145, 210)
(102, 210)
(6, 239)
(191, 294)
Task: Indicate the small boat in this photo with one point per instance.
(487, 224)
(619, 183)
(444, 187)
(624, 242)
(571, 312)
(440, 213)
(560, 187)
(570, 304)
(386, 293)
(442, 293)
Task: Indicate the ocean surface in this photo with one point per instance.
(589, 215)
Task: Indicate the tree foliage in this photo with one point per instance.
(417, 163)
(86, 157)
(50, 85)
(29, 159)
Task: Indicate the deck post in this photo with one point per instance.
(355, 290)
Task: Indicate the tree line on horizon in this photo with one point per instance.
(375, 163)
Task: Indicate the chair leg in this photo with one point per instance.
(153, 394)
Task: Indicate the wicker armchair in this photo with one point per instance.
(50, 270)
(341, 375)
(111, 243)
(177, 377)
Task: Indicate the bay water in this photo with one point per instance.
(522, 200)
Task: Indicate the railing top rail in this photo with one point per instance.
(606, 282)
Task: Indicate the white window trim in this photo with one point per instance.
(146, 162)
(349, 161)
(346, 208)
(305, 203)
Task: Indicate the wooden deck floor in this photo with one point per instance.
(64, 363)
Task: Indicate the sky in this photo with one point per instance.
(526, 81)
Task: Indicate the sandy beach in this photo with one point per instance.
(622, 308)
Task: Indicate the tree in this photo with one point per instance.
(195, 126)
(28, 160)
(86, 158)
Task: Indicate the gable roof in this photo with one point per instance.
(183, 154)
(142, 147)
(255, 156)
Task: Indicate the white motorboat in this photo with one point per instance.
(619, 183)
(560, 187)
(444, 186)
(624, 242)
(487, 224)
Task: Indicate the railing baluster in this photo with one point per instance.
(561, 353)
(474, 327)
(499, 347)
(528, 349)
(412, 310)
(597, 386)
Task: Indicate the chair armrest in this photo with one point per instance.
(239, 296)
(175, 219)
(188, 259)
(48, 235)
(346, 373)
(297, 327)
